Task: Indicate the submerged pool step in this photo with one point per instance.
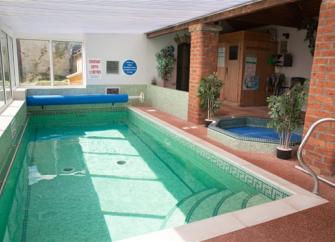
(204, 207)
(257, 199)
(178, 214)
(231, 203)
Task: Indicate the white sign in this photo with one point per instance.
(94, 68)
(221, 57)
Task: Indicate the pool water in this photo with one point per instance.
(100, 177)
(261, 133)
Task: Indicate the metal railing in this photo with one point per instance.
(301, 147)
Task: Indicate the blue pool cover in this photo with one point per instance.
(41, 100)
(260, 133)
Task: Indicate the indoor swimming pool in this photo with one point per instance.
(107, 176)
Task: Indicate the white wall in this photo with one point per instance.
(117, 47)
(121, 47)
(302, 58)
(154, 46)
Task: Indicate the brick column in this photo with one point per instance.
(320, 150)
(204, 45)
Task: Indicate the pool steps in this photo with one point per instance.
(208, 203)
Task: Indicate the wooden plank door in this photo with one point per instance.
(232, 79)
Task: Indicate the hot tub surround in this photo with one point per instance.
(222, 131)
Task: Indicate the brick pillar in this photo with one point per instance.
(204, 45)
(320, 150)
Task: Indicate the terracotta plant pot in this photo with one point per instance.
(284, 154)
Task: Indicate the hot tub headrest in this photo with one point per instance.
(42, 100)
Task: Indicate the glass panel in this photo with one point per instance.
(233, 52)
(2, 93)
(5, 63)
(67, 63)
(34, 62)
(11, 60)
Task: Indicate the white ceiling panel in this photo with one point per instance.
(103, 16)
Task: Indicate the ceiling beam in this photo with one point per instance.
(225, 14)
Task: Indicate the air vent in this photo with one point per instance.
(112, 67)
(112, 90)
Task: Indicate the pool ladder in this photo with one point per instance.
(301, 147)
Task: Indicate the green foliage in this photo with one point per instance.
(165, 62)
(285, 112)
(311, 25)
(209, 94)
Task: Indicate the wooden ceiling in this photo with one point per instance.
(260, 13)
(290, 15)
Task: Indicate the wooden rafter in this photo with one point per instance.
(239, 11)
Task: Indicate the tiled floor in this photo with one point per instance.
(315, 224)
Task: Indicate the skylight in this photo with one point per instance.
(104, 16)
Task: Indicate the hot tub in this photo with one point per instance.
(248, 134)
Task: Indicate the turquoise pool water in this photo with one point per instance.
(261, 133)
(107, 176)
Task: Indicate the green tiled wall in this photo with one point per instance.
(9, 139)
(171, 101)
(168, 100)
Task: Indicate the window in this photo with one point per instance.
(233, 52)
(50, 63)
(5, 69)
(5, 64)
(34, 62)
(67, 63)
(2, 85)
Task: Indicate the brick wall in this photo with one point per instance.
(320, 150)
(204, 45)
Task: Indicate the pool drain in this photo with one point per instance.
(68, 169)
(121, 162)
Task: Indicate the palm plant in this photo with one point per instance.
(209, 94)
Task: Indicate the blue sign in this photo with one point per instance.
(129, 67)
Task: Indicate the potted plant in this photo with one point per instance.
(285, 116)
(209, 94)
(165, 62)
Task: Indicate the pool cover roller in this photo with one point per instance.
(43, 100)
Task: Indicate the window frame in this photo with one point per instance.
(50, 40)
(11, 72)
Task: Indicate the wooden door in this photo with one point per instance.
(183, 66)
(232, 70)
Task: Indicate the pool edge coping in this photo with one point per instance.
(300, 199)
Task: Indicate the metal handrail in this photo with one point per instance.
(301, 147)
